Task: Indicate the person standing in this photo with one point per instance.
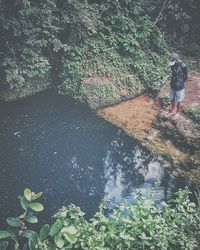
(177, 83)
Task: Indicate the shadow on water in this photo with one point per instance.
(51, 144)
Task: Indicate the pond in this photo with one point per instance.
(51, 144)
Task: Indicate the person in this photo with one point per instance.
(177, 83)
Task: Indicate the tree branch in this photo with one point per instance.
(159, 17)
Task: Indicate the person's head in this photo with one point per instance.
(173, 59)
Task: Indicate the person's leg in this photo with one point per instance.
(179, 98)
(172, 97)
(173, 105)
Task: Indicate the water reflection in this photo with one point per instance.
(129, 170)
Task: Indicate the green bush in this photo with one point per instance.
(193, 113)
(143, 225)
(164, 101)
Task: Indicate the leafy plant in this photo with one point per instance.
(143, 225)
(193, 112)
(164, 101)
(18, 226)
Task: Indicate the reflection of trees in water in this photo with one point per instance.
(129, 167)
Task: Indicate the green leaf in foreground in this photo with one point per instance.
(14, 222)
(33, 241)
(70, 229)
(44, 232)
(31, 218)
(36, 196)
(59, 241)
(38, 207)
(4, 234)
(26, 233)
(55, 228)
(51, 247)
(69, 237)
(27, 194)
(3, 245)
(24, 203)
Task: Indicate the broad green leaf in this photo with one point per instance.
(51, 247)
(44, 232)
(31, 218)
(4, 234)
(70, 229)
(14, 222)
(27, 194)
(26, 233)
(36, 196)
(69, 237)
(38, 207)
(33, 241)
(55, 228)
(59, 241)
(3, 245)
(24, 203)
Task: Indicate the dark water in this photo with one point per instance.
(51, 144)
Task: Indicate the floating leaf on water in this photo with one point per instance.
(38, 207)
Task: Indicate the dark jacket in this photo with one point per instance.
(179, 76)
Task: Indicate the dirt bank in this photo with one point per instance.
(143, 119)
(136, 117)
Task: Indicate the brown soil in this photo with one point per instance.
(94, 80)
(136, 118)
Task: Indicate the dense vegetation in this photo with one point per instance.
(67, 41)
(123, 43)
(143, 225)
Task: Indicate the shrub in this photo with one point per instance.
(193, 113)
(164, 101)
(143, 225)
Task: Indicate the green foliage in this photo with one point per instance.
(72, 40)
(143, 225)
(126, 43)
(164, 101)
(18, 225)
(194, 113)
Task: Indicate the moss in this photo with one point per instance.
(108, 91)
